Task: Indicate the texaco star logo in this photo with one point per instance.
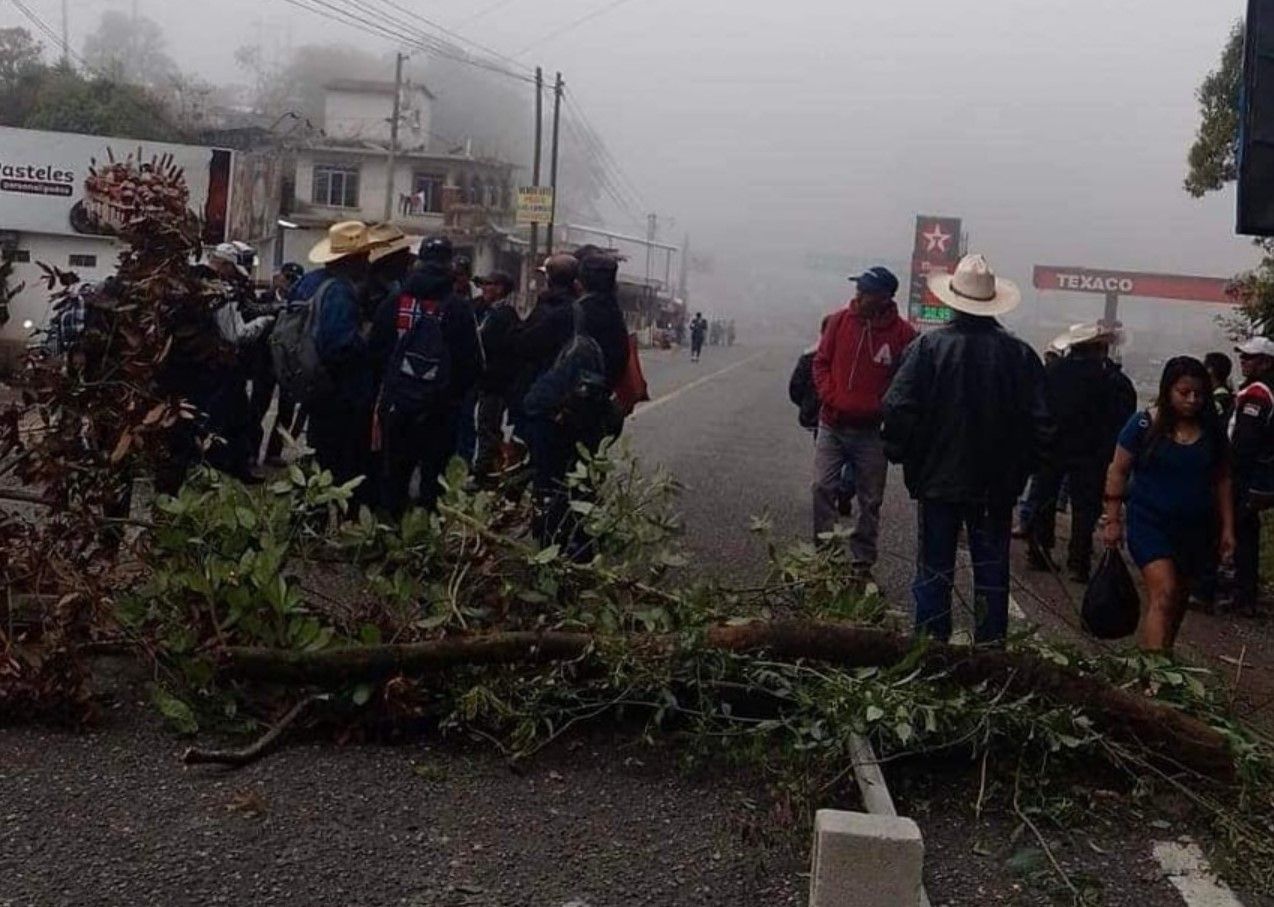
(936, 239)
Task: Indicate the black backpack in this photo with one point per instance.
(417, 377)
(294, 350)
(574, 390)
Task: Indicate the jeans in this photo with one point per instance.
(864, 452)
(989, 530)
(1086, 479)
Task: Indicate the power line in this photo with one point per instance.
(393, 4)
(571, 26)
(625, 181)
(486, 11)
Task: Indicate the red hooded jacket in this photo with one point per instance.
(857, 357)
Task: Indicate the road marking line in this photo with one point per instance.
(1188, 871)
(673, 395)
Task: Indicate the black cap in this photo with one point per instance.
(436, 248)
(292, 271)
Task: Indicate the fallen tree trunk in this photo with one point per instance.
(1125, 716)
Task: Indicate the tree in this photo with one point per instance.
(129, 49)
(67, 102)
(1212, 157)
(20, 56)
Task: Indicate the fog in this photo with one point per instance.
(771, 132)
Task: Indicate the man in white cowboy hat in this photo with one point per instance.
(967, 416)
(1091, 400)
(340, 422)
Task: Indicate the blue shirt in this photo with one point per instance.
(1172, 480)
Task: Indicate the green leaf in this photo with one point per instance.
(247, 519)
(874, 714)
(176, 712)
(546, 556)
(903, 732)
(362, 694)
(369, 635)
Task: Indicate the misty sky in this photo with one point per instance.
(1058, 131)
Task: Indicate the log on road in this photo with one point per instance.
(1125, 716)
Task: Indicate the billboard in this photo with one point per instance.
(257, 195)
(46, 183)
(535, 205)
(1184, 287)
(936, 250)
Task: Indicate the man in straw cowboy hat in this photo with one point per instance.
(967, 416)
(340, 421)
(1091, 400)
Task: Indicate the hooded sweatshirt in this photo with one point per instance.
(856, 360)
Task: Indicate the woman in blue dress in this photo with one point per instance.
(1172, 470)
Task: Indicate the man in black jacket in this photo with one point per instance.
(546, 330)
(1091, 399)
(967, 417)
(497, 324)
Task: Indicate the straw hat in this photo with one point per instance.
(349, 237)
(386, 240)
(975, 290)
(1089, 332)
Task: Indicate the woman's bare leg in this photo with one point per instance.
(1165, 609)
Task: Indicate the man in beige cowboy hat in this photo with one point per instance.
(389, 260)
(967, 416)
(340, 421)
(1091, 399)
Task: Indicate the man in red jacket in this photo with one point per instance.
(857, 357)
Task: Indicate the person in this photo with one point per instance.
(545, 331)
(289, 417)
(463, 272)
(389, 262)
(1091, 399)
(340, 421)
(730, 333)
(1171, 474)
(497, 323)
(1252, 439)
(967, 417)
(1219, 369)
(698, 331)
(422, 436)
(802, 392)
(857, 356)
(555, 442)
(1025, 506)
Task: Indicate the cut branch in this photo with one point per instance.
(250, 754)
(1123, 715)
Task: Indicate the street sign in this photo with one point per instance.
(535, 205)
(936, 250)
(1134, 283)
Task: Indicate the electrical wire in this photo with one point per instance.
(626, 183)
(412, 16)
(571, 26)
(487, 11)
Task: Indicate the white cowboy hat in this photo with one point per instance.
(349, 237)
(1090, 332)
(975, 290)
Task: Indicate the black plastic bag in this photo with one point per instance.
(1112, 607)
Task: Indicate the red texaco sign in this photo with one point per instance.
(1133, 283)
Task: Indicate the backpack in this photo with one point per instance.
(573, 390)
(294, 350)
(418, 374)
(632, 388)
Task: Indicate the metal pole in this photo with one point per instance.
(535, 172)
(651, 225)
(66, 38)
(557, 122)
(1110, 319)
(392, 161)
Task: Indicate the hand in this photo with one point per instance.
(1112, 533)
(1227, 546)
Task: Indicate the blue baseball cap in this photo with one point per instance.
(877, 280)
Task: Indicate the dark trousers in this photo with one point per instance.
(989, 531)
(1087, 480)
(1247, 556)
(408, 445)
(340, 433)
(554, 453)
(696, 347)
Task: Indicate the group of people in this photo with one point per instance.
(391, 363)
(974, 417)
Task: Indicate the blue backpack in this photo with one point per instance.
(573, 391)
(417, 379)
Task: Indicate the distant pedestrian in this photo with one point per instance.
(1172, 469)
(967, 417)
(1219, 369)
(858, 354)
(698, 333)
(1252, 437)
(1091, 399)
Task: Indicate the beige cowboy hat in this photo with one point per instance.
(386, 240)
(975, 290)
(1087, 332)
(349, 237)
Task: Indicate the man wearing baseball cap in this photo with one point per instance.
(1253, 440)
(860, 350)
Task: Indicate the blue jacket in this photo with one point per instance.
(340, 343)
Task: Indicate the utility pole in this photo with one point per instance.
(66, 38)
(535, 171)
(557, 122)
(393, 137)
(652, 225)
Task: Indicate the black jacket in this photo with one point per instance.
(967, 414)
(497, 328)
(1091, 400)
(802, 392)
(537, 341)
(604, 322)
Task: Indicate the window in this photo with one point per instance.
(18, 256)
(474, 195)
(336, 187)
(493, 195)
(426, 194)
(83, 261)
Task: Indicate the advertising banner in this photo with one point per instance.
(64, 183)
(936, 250)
